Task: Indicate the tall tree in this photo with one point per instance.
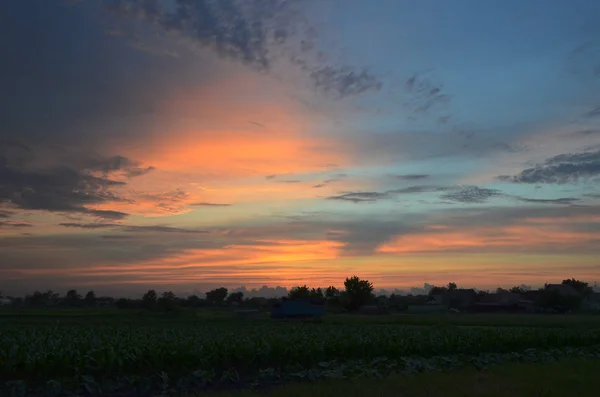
(235, 297)
(72, 298)
(359, 292)
(583, 288)
(331, 291)
(90, 298)
(438, 291)
(217, 296)
(300, 292)
(316, 293)
(149, 299)
(167, 301)
(452, 287)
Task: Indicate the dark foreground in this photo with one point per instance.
(564, 378)
(42, 355)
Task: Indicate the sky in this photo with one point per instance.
(190, 144)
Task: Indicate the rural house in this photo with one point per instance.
(563, 289)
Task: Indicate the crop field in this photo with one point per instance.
(110, 358)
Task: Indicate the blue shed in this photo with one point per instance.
(298, 308)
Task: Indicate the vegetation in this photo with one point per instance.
(567, 377)
(171, 356)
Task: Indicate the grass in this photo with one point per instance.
(565, 378)
(227, 316)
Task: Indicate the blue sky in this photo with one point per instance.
(183, 145)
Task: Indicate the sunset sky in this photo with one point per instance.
(190, 144)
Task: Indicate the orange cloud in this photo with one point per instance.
(282, 260)
(516, 237)
(216, 143)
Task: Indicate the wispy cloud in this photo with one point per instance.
(561, 200)
(10, 224)
(471, 194)
(204, 204)
(561, 169)
(256, 33)
(412, 177)
(360, 197)
(133, 228)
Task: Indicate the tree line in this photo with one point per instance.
(356, 292)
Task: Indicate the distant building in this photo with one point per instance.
(563, 289)
(298, 308)
(591, 303)
(505, 298)
(460, 299)
(5, 301)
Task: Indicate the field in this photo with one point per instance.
(107, 353)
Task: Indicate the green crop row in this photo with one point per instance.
(37, 355)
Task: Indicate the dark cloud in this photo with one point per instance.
(117, 237)
(344, 82)
(412, 177)
(171, 202)
(471, 194)
(161, 229)
(210, 205)
(257, 33)
(15, 224)
(270, 176)
(561, 169)
(64, 184)
(562, 200)
(289, 181)
(425, 95)
(133, 228)
(90, 225)
(360, 197)
(363, 237)
(593, 113)
(421, 189)
(335, 178)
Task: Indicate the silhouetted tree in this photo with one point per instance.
(167, 301)
(149, 299)
(358, 292)
(216, 296)
(235, 297)
(583, 288)
(331, 291)
(122, 303)
(516, 290)
(452, 287)
(72, 298)
(300, 292)
(316, 293)
(90, 298)
(193, 301)
(438, 291)
(501, 290)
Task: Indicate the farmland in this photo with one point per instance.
(41, 355)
